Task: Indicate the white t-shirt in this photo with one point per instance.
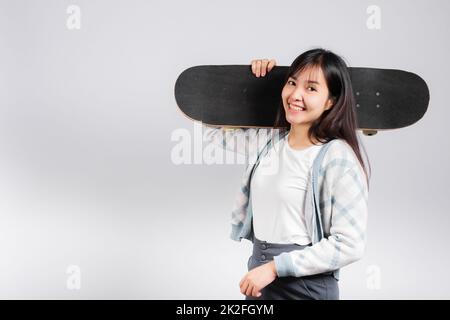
(277, 191)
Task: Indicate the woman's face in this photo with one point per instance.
(308, 90)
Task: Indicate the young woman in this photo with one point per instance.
(289, 259)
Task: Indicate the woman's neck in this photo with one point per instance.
(298, 137)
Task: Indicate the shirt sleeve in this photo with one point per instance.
(346, 241)
(245, 141)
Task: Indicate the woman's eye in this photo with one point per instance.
(293, 83)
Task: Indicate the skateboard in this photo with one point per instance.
(232, 96)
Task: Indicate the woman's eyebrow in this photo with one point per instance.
(309, 81)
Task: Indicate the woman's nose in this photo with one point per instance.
(295, 99)
(296, 96)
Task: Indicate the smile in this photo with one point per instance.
(295, 108)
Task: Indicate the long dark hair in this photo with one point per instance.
(340, 120)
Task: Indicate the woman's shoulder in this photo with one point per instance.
(339, 154)
(340, 160)
(339, 145)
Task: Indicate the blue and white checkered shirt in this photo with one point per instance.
(343, 194)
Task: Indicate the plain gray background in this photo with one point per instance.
(86, 118)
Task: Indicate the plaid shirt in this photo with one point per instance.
(338, 235)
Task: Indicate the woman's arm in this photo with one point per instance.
(245, 141)
(346, 242)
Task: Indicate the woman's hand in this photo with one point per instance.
(261, 66)
(258, 278)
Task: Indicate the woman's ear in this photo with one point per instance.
(329, 103)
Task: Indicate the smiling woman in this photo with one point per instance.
(289, 260)
(297, 254)
(291, 199)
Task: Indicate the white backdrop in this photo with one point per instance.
(91, 203)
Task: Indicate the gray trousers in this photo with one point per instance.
(321, 286)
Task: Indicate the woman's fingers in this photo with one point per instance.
(272, 63)
(249, 290)
(258, 68)
(242, 281)
(255, 292)
(261, 66)
(264, 64)
(254, 66)
(244, 286)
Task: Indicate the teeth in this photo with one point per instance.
(296, 108)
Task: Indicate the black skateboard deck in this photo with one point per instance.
(232, 96)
